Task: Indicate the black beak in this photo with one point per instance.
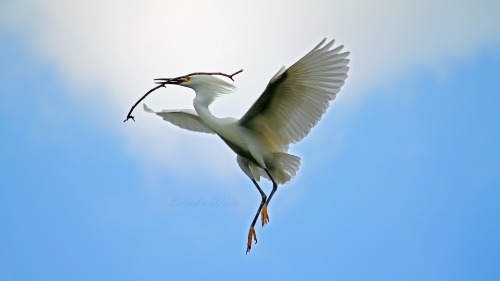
(174, 81)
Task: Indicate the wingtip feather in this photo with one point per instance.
(147, 109)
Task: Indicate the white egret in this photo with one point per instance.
(292, 103)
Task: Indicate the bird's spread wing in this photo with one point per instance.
(296, 98)
(185, 118)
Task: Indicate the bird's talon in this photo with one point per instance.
(263, 215)
(251, 234)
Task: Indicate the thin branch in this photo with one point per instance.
(129, 115)
(166, 80)
(230, 76)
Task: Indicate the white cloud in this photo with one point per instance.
(117, 47)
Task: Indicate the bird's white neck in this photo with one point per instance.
(201, 104)
(207, 89)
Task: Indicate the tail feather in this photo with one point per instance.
(283, 167)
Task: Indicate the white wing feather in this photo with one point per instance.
(296, 98)
(184, 118)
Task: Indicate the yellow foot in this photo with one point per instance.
(263, 215)
(251, 234)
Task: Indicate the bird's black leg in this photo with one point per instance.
(251, 232)
(275, 187)
(264, 216)
(264, 197)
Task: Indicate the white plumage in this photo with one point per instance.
(292, 103)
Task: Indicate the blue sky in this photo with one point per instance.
(400, 181)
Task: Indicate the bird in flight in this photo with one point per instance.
(292, 103)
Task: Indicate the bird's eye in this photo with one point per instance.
(185, 79)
